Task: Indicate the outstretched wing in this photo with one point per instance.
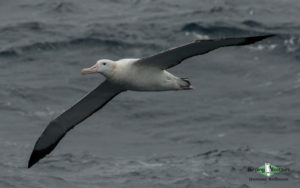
(57, 128)
(174, 56)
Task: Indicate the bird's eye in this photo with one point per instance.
(103, 63)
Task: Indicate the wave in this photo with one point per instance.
(252, 23)
(30, 26)
(72, 162)
(52, 6)
(76, 42)
(65, 7)
(216, 30)
(8, 53)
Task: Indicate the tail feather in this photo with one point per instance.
(185, 83)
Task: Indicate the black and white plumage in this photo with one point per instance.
(146, 74)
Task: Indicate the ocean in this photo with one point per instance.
(243, 111)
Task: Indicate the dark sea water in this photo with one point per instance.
(243, 112)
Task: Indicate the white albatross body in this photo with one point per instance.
(145, 74)
(141, 78)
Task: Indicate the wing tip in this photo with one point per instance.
(35, 157)
(250, 40)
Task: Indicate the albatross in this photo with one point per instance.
(145, 74)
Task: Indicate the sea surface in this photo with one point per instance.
(243, 112)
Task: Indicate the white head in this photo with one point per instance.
(104, 66)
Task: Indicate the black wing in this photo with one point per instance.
(57, 128)
(174, 56)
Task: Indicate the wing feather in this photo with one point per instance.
(174, 56)
(57, 128)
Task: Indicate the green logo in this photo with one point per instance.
(268, 169)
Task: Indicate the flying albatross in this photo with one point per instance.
(145, 74)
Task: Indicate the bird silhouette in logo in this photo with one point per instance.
(268, 169)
